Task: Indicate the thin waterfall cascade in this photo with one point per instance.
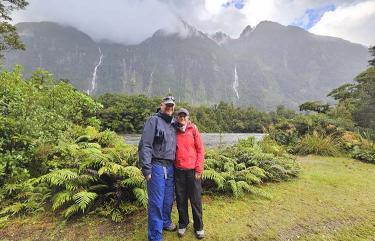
(235, 82)
(94, 74)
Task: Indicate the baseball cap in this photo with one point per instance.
(169, 100)
(183, 111)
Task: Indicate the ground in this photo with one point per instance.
(333, 199)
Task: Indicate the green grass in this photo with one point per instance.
(334, 199)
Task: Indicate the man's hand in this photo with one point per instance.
(198, 176)
(148, 178)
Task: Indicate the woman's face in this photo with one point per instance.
(182, 119)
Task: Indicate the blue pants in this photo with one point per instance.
(160, 200)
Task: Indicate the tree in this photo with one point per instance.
(359, 98)
(316, 106)
(372, 51)
(9, 38)
(364, 114)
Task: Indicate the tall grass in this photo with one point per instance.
(318, 144)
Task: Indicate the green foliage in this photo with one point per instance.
(316, 106)
(9, 38)
(127, 114)
(365, 151)
(359, 98)
(54, 156)
(22, 198)
(100, 174)
(239, 168)
(34, 113)
(372, 51)
(318, 144)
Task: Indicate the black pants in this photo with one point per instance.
(187, 187)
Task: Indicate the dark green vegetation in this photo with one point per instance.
(8, 34)
(53, 156)
(333, 199)
(346, 128)
(127, 114)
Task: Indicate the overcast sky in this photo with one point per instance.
(131, 21)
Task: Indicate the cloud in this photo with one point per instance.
(354, 22)
(132, 21)
(124, 21)
(313, 16)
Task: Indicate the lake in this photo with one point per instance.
(209, 139)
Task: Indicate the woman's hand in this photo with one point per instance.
(198, 176)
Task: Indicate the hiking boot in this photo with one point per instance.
(181, 232)
(199, 234)
(171, 228)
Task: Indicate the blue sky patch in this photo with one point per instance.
(312, 16)
(239, 4)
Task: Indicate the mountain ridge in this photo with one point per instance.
(265, 66)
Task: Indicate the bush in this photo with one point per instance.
(365, 151)
(319, 145)
(240, 168)
(34, 113)
(102, 175)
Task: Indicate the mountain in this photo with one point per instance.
(268, 65)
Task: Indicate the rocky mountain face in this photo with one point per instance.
(266, 66)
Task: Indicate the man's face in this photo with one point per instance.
(167, 109)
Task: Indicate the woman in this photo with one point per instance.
(188, 173)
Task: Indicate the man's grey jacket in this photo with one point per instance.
(158, 142)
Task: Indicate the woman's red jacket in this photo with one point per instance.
(190, 150)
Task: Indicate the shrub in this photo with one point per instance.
(240, 168)
(318, 144)
(365, 151)
(100, 176)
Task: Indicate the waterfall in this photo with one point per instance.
(150, 83)
(235, 82)
(93, 80)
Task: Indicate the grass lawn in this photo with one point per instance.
(334, 199)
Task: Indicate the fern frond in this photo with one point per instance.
(88, 145)
(250, 178)
(13, 209)
(58, 177)
(71, 210)
(257, 171)
(141, 196)
(215, 177)
(116, 215)
(84, 198)
(132, 171)
(136, 181)
(233, 188)
(112, 168)
(257, 191)
(61, 198)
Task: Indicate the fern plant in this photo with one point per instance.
(99, 177)
(239, 169)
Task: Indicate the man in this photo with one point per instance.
(157, 151)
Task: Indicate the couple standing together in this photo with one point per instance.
(171, 156)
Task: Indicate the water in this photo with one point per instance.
(235, 83)
(209, 139)
(93, 81)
